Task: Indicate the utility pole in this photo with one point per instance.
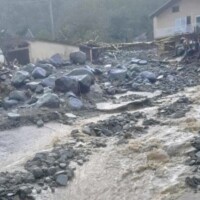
(52, 19)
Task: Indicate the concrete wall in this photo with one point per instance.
(44, 50)
(166, 19)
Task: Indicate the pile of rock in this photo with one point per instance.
(124, 125)
(39, 85)
(47, 170)
(194, 182)
(177, 109)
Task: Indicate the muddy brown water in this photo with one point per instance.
(150, 167)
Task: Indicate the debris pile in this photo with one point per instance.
(124, 125)
(177, 109)
(47, 170)
(194, 160)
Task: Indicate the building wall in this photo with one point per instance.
(167, 18)
(40, 50)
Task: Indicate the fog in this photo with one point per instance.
(74, 21)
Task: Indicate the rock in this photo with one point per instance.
(24, 191)
(17, 95)
(87, 130)
(197, 154)
(32, 85)
(14, 116)
(57, 60)
(136, 86)
(20, 78)
(63, 165)
(70, 115)
(48, 100)
(75, 103)
(50, 69)
(78, 57)
(142, 62)
(37, 172)
(85, 81)
(28, 68)
(135, 61)
(40, 123)
(9, 103)
(149, 75)
(81, 71)
(62, 180)
(49, 82)
(160, 77)
(39, 89)
(39, 72)
(117, 74)
(66, 84)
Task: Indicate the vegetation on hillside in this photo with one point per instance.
(80, 20)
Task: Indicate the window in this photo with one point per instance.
(198, 20)
(175, 9)
(188, 20)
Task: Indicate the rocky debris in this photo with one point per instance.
(28, 68)
(175, 110)
(17, 95)
(20, 78)
(13, 116)
(48, 100)
(148, 75)
(48, 169)
(50, 69)
(32, 85)
(9, 103)
(78, 57)
(49, 82)
(40, 123)
(57, 60)
(194, 160)
(66, 84)
(117, 74)
(39, 89)
(122, 125)
(84, 81)
(74, 103)
(82, 71)
(39, 73)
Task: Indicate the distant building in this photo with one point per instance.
(176, 17)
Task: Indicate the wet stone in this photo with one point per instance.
(62, 179)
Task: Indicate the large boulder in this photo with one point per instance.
(78, 57)
(66, 84)
(17, 95)
(74, 103)
(49, 82)
(149, 76)
(50, 69)
(117, 74)
(81, 71)
(39, 72)
(48, 100)
(57, 60)
(20, 78)
(28, 68)
(85, 81)
(9, 103)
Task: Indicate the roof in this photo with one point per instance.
(164, 7)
